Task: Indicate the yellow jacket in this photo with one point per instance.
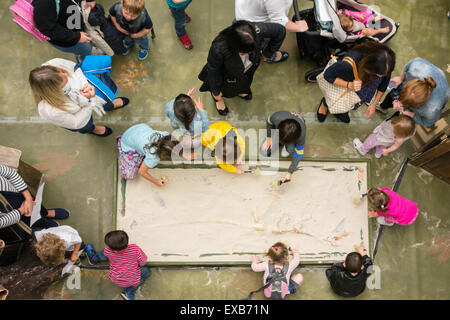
(216, 132)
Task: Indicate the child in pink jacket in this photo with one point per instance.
(389, 207)
(278, 266)
(356, 22)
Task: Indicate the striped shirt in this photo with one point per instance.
(124, 265)
(10, 181)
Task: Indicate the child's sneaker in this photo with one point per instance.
(90, 254)
(358, 144)
(378, 155)
(127, 50)
(284, 152)
(382, 220)
(143, 54)
(126, 296)
(186, 42)
(188, 19)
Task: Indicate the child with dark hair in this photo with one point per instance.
(153, 145)
(227, 146)
(188, 118)
(389, 207)
(277, 271)
(290, 128)
(348, 279)
(126, 262)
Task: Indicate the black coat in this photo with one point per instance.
(113, 37)
(343, 283)
(56, 26)
(224, 70)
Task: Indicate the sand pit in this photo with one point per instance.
(208, 216)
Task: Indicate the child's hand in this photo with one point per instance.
(361, 249)
(294, 251)
(372, 214)
(267, 144)
(160, 182)
(255, 259)
(191, 93)
(199, 104)
(361, 16)
(239, 171)
(385, 152)
(287, 178)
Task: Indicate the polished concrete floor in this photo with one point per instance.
(413, 259)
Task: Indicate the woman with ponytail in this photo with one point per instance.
(188, 118)
(421, 92)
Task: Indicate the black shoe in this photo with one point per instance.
(107, 132)
(248, 96)
(321, 117)
(125, 101)
(343, 117)
(223, 112)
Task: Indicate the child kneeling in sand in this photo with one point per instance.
(126, 262)
(227, 146)
(277, 271)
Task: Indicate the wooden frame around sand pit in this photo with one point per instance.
(118, 182)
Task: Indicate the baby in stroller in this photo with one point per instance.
(357, 22)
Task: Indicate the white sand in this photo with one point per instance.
(209, 211)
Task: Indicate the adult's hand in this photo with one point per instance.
(301, 26)
(397, 80)
(84, 38)
(397, 105)
(355, 85)
(370, 111)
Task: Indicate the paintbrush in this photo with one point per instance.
(256, 171)
(357, 198)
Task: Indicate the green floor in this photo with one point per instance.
(413, 260)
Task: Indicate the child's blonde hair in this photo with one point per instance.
(134, 7)
(346, 21)
(45, 84)
(278, 253)
(416, 92)
(378, 199)
(51, 249)
(403, 126)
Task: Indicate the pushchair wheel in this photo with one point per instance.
(311, 75)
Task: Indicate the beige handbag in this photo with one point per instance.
(338, 99)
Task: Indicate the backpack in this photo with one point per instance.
(275, 281)
(22, 10)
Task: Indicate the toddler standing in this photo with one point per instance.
(388, 136)
(178, 10)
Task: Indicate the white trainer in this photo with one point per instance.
(284, 152)
(358, 144)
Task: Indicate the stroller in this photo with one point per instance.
(325, 35)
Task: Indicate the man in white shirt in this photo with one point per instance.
(274, 11)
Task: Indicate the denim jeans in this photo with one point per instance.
(145, 273)
(180, 20)
(80, 50)
(100, 256)
(142, 42)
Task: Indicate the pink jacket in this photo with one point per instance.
(400, 210)
(355, 15)
(264, 266)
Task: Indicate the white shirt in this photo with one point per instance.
(76, 116)
(66, 233)
(275, 11)
(246, 62)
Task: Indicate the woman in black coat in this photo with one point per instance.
(64, 25)
(233, 58)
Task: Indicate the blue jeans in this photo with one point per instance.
(180, 20)
(128, 42)
(145, 273)
(80, 50)
(100, 256)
